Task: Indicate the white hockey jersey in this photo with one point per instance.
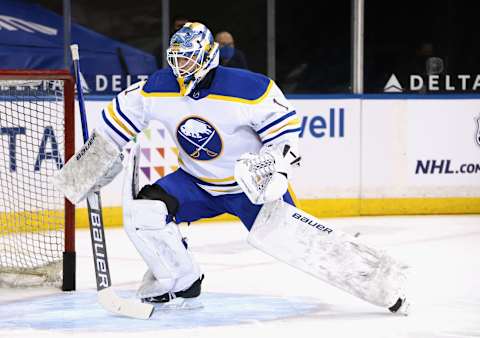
(238, 111)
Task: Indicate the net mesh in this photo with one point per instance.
(32, 215)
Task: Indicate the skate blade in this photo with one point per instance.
(405, 308)
(178, 304)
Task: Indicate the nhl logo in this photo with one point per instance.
(199, 139)
(477, 136)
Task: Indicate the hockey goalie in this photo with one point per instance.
(237, 137)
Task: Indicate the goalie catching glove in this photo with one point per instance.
(95, 165)
(263, 177)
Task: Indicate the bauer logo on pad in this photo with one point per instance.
(311, 222)
(199, 139)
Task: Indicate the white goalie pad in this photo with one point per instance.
(300, 240)
(171, 265)
(93, 166)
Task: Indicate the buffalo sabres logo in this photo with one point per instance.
(184, 37)
(477, 136)
(199, 139)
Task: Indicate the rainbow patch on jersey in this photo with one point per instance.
(199, 139)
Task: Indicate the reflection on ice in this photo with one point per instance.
(81, 312)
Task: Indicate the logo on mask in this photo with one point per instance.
(199, 139)
(185, 37)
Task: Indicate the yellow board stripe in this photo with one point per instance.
(411, 206)
(294, 121)
(117, 120)
(31, 221)
(338, 207)
(159, 94)
(240, 100)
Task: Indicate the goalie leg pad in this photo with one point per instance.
(160, 244)
(302, 241)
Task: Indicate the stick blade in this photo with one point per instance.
(125, 307)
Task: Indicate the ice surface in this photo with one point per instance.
(248, 294)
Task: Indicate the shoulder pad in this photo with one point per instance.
(162, 81)
(240, 84)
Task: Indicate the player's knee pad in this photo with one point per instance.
(156, 192)
(144, 214)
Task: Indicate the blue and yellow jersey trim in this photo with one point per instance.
(217, 186)
(229, 84)
(116, 120)
(162, 83)
(293, 195)
(285, 124)
(226, 180)
(239, 85)
(242, 100)
(160, 94)
(232, 188)
(216, 191)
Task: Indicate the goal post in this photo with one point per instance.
(37, 136)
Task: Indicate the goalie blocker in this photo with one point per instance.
(300, 240)
(95, 165)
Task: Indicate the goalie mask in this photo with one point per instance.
(192, 54)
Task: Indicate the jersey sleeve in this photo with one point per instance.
(274, 119)
(124, 116)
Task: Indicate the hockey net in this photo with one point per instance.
(36, 138)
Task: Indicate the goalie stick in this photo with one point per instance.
(106, 296)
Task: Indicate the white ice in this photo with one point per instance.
(249, 294)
